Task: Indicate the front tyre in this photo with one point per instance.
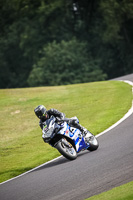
(66, 149)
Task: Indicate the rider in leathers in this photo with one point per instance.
(43, 114)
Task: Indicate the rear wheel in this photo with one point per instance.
(92, 141)
(66, 149)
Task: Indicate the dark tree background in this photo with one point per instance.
(54, 42)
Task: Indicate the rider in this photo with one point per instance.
(43, 114)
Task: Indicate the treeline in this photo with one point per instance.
(54, 42)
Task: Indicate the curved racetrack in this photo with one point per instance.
(91, 173)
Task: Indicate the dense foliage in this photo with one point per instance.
(53, 42)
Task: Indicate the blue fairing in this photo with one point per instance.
(82, 145)
(75, 135)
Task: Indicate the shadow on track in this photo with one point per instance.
(60, 161)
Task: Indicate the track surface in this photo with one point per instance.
(91, 173)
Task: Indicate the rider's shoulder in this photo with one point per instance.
(51, 110)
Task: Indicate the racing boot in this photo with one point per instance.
(83, 130)
(77, 125)
(86, 134)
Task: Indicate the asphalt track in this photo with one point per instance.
(91, 173)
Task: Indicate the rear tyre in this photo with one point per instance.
(66, 149)
(93, 142)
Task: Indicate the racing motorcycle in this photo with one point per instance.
(66, 139)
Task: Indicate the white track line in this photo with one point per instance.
(114, 125)
(123, 118)
(117, 123)
(31, 170)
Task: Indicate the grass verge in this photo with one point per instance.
(97, 105)
(124, 192)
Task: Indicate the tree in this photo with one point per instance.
(65, 63)
(117, 36)
(29, 28)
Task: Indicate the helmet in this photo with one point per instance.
(40, 112)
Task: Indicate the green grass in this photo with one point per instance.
(124, 192)
(98, 105)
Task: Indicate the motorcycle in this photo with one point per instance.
(66, 139)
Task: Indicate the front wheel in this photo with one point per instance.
(66, 149)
